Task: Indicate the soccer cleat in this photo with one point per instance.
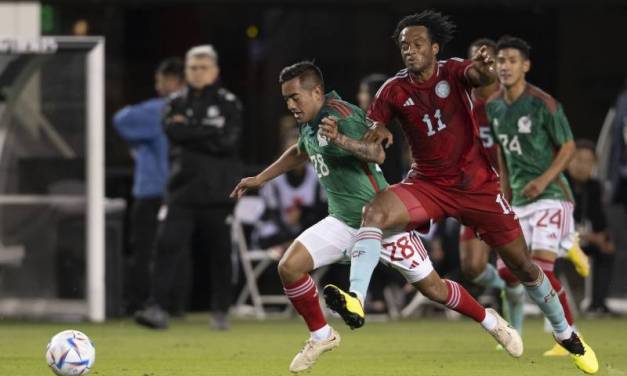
(579, 259)
(581, 354)
(556, 350)
(346, 305)
(306, 357)
(506, 335)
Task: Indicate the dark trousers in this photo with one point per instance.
(173, 248)
(143, 231)
(602, 266)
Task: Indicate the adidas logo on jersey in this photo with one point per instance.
(408, 102)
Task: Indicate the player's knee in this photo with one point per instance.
(288, 269)
(434, 289)
(374, 216)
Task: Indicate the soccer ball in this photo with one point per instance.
(70, 353)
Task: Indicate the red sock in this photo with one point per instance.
(506, 274)
(460, 300)
(547, 267)
(304, 296)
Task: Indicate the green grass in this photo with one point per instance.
(418, 347)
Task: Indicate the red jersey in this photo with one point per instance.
(439, 123)
(485, 132)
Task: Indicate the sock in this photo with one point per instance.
(322, 333)
(544, 296)
(364, 258)
(304, 297)
(561, 294)
(515, 300)
(489, 322)
(548, 267)
(506, 274)
(490, 278)
(458, 299)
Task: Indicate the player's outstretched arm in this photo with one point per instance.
(481, 72)
(289, 160)
(364, 150)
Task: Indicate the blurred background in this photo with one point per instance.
(578, 56)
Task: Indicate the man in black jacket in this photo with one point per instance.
(203, 123)
(591, 222)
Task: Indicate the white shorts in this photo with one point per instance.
(547, 224)
(330, 241)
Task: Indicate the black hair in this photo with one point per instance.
(508, 41)
(305, 71)
(491, 44)
(440, 27)
(584, 143)
(373, 82)
(172, 66)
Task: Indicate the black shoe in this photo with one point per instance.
(573, 344)
(351, 312)
(152, 317)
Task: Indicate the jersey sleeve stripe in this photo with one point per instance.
(344, 111)
(364, 166)
(344, 107)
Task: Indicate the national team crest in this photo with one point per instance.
(322, 140)
(442, 89)
(524, 124)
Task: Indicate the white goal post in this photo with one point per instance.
(93, 199)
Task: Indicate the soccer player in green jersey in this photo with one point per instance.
(331, 133)
(536, 144)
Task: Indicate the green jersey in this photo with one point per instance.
(530, 131)
(349, 182)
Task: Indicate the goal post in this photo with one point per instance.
(52, 162)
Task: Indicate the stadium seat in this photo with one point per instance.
(254, 261)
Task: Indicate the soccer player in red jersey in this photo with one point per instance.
(451, 175)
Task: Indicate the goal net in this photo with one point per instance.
(52, 202)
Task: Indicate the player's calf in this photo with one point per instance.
(457, 298)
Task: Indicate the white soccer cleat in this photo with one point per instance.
(306, 358)
(506, 335)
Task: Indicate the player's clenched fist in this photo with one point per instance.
(244, 185)
(379, 134)
(534, 188)
(329, 128)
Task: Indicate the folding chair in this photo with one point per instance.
(254, 261)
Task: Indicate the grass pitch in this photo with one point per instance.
(417, 347)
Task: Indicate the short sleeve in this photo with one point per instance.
(457, 68)
(381, 109)
(557, 126)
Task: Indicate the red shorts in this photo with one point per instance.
(466, 233)
(483, 209)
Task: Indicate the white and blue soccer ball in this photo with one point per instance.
(70, 353)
